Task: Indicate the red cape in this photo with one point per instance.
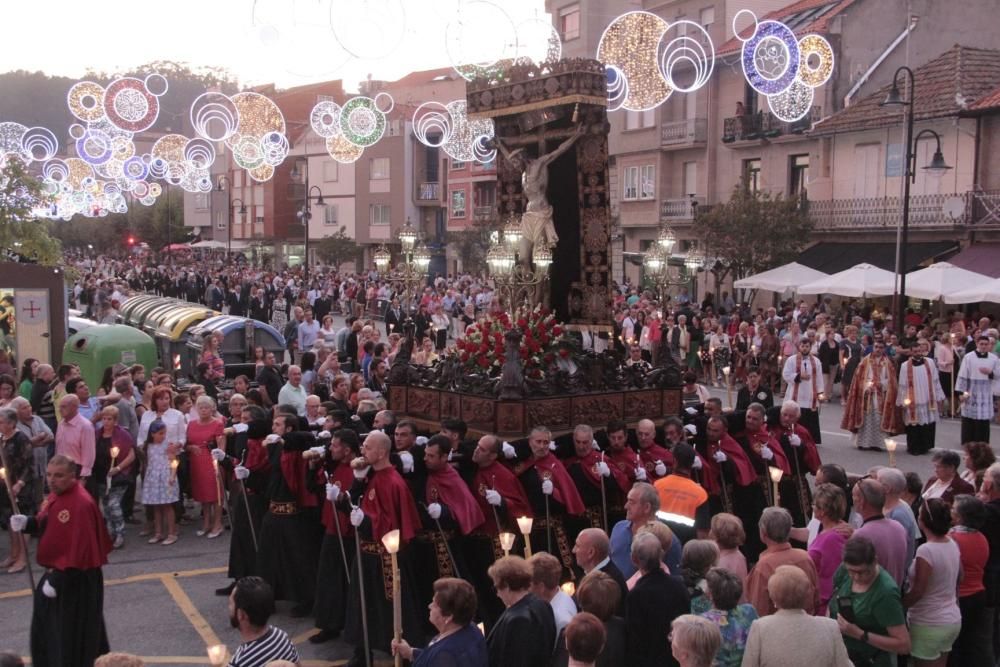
(624, 461)
(341, 473)
(651, 455)
(810, 455)
(498, 477)
(446, 487)
(390, 505)
(564, 490)
(295, 469)
(74, 536)
(589, 463)
(765, 437)
(745, 474)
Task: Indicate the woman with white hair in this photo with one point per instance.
(694, 641)
(205, 434)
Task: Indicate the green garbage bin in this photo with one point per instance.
(103, 345)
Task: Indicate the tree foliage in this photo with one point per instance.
(472, 244)
(753, 232)
(22, 235)
(338, 248)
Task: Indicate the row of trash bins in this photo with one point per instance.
(169, 333)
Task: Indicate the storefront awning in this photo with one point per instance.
(982, 258)
(835, 257)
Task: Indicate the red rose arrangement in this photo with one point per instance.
(483, 348)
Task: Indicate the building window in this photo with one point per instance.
(647, 182)
(325, 98)
(631, 180)
(380, 214)
(458, 203)
(330, 214)
(380, 168)
(457, 164)
(751, 174)
(635, 120)
(707, 16)
(331, 171)
(569, 22)
(202, 201)
(798, 173)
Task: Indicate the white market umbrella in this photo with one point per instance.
(781, 278)
(941, 279)
(214, 245)
(861, 280)
(988, 290)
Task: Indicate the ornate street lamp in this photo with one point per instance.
(411, 272)
(518, 285)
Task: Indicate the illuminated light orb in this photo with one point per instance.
(214, 116)
(771, 58)
(140, 189)
(258, 116)
(538, 42)
(384, 102)
(156, 84)
(11, 139)
(79, 171)
(465, 132)
(449, 128)
(175, 173)
(687, 49)
(122, 147)
(155, 189)
(479, 37)
(481, 150)
(55, 170)
(261, 173)
(199, 152)
(39, 143)
(432, 124)
(94, 147)
(158, 167)
(630, 44)
(361, 122)
(76, 131)
(342, 150)
(111, 169)
(135, 168)
(617, 87)
(793, 103)
(815, 60)
(275, 146)
(129, 106)
(170, 147)
(325, 119)
(86, 101)
(248, 153)
(368, 30)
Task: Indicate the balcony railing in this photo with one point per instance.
(429, 192)
(679, 209)
(484, 212)
(943, 211)
(683, 132)
(765, 125)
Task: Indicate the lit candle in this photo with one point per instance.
(216, 654)
(725, 371)
(173, 470)
(391, 542)
(507, 542)
(890, 446)
(906, 401)
(524, 524)
(569, 588)
(776, 474)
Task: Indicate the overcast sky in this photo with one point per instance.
(288, 42)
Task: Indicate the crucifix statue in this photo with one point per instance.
(537, 227)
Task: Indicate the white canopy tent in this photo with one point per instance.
(941, 279)
(787, 277)
(211, 245)
(861, 280)
(987, 290)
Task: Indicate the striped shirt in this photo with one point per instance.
(272, 645)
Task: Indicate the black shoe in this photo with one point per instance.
(301, 610)
(324, 636)
(225, 590)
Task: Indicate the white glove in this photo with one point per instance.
(493, 497)
(18, 522)
(241, 472)
(697, 463)
(720, 457)
(434, 511)
(692, 429)
(691, 411)
(361, 474)
(660, 469)
(318, 451)
(48, 591)
(271, 439)
(640, 474)
(420, 440)
(547, 487)
(508, 450)
(794, 440)
(603, 470)
(552, 445)
(766, 453)
(241, 427)
(406, 459)
(597, 447)
(218, 455)
(324, 435)
(357, 517)
(332, 492)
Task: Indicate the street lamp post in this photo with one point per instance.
(937, 167)
(229, 234)
(305, 213)
(229, 214)
(412, 270)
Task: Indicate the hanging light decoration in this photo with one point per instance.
(512, 231)
(667, 240)
(407, 236)
(382, 257)
(542, 257)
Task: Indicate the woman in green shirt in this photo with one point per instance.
(867, 604)
(28, 369)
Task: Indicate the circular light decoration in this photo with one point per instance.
(448, 127)
(155, 189)
(200, 153)
(630, 44)
(156, 85)
(538, 42)
(214, 116)
(170, 147)
(275, 146)
(771, 58)
(815, 60)
(342, 150)
(432, 124)
(368, 30)
(140, 189)
(261, 173)
(94, 147)
(687, 49)
(55, 170)
(384, 102)
(39, 143)
(361, 122)
(617, 87)
(465, 133)
(793, 103)
(479, 38)
(79, 171)
(129, 106)
(325, 119)
(481, 150)
(135, 168)
(11, 138)
(76, 131)
(122, 147)
(158, 167)
(86, 101)
(259, 118)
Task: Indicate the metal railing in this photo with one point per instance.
(429, 192)
(682, 132)
(484, 211)
(679, 208)
(978, 208)
(765, 125)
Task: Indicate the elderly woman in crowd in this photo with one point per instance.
(728, 534)
(697, 558)
(652, 605)
(694, 641)
(599, 594)
(205, 434)
(974, 643)
(945, 483)
(978, 457)
(867, 605)
(734, 619)
(791, 636)
(459, 641)
(525, 634)
(829, 508)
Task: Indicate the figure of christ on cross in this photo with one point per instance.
(537, 227)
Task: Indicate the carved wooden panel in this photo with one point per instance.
(451, 407)
(642, 405)
(671, 402)
(397, 399)
(510, 418)
(425, 403)
(478, 412)
(598, 410)
(555, 413)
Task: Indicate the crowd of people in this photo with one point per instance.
(708, 540)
